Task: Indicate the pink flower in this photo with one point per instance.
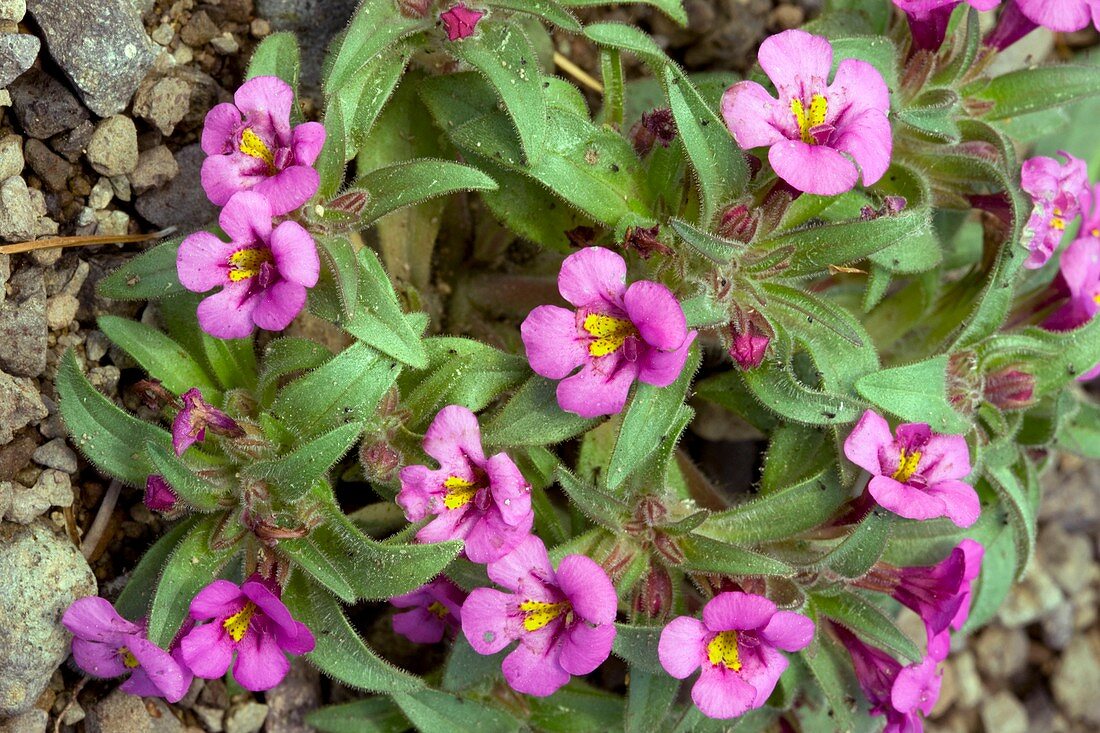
(249, 620)
(917, 474)
(750, 336)
(159, 495)
(436, 608)
(197, 415)
(484, 501)
(616, 334)
(928, 19)
(901, 694)
(264, 271)
(564, 620)
(818, 133)
(107, 645)
(973, 553)
(736, 646)
(1055, 189)
(1079, 270)
(260, 152)
(460, 21)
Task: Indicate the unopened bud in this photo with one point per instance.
(653, 595)
(750, 336)
(891, 206)
(667, 548)
(414, 8)
(351, 203)
(153, 394)
(644, 241)
(159, 495)
(1010, 389)
(739, 223)
(656, 127)
(380, 461)
(964, 383)
(460, 21)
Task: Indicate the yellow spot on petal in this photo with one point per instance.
(246, 263)
(819, 107)
(536, 614)
(237, 624)
(907, 465)
(460, 492)
(722, 649)
(254, 147)
(438, 609)
(610, 333)
(128, 658)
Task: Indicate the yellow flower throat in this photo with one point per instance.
(907, 465)
(610, 333)
(536, 614)
(819, 107)
(128, 658)
(246, 263)
(254, 147)
(460, 492)
(722, 649)
(237, 624)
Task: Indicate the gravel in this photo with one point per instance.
(23, 328)
(44, 106)
(17, 53)
(11, 156)
(113, 148)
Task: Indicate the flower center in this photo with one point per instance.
(237, 624)
(819, 106)
(722, 649)
(128, 658)
(536, 614)
(460, 492)
(907, 465)
(438, 609)
(254, 147)
(1058, 222)
(247, 263)
(609, 333)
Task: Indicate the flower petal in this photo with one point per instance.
(528, 562)
(944, 457)
(857, 87)
(904, 500)
(662, 368)
(600, 388)
(207, 650)
(270, 605)
(161, 669)
(268, 97)
(295, 254)
(486, 622)
(453, 437)
(534, 673)
(288, 189)
(99, 659)
(490, 538)
(260, 664)
(796, 61)
(720, 693)
(960, 500)
(246, 218)
(222, 176)
(220, 599)
(755, 117)
(656, 313)
(300, 642)
(94, 619)
(307, 140)
(586, 647)
(813, 168)
(789, 631)
(762, 669)
(592, 275)
(868, 440)
(867, 139)
(585, 583)
(219, 131)
(734, 610)
(553, 345)
(1064, 16)
(682, 647)
(511, 492)
(279, 305)
(203, 261)
(420, 626)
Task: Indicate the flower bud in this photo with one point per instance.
(380, 461)
(750, 336)
(1010, 389)
(460, 21)
(644, 241)
(414, 8)
(159, 495)
(653, 595)
(656, 127)
(351, 203)
(739, 223)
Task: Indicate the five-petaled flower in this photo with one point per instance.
(107, 645)
(564, 620)
(484, 501)
(736, 647)
(460, 21)
(191, 422)
(917, 474)
(435, 609)
(1056, 190)
(818, 133)
(249, 620)
(251, 146)
(616, 334)
(928, 19)
(264, 270)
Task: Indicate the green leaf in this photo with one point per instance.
(796, 454)
(780, 515)
(705, 555)
(414, 181)
(435, 710)
(672, 8)
(915, 393)
(376, 26)
(649, 697)
(1082, 434)
(482, 373)
(193, 565)
(292, 475)
(1022, 507)
(999, 571)
(605, 510)
(380, 321)
(832, 670)
(111, 438)
(285, 356)
(277, 55)
(861, 549)
(133, 602)
(853, 612)
(638, 646)
(877, 50)
(193, 489)
(233, 361)
(331, 163)
(532, 417)
(362, 99)
(709, 245)
(339, 257)
(149, 276)
(158, 355)
(779, 390)
(577, 708)
(340, 651)
(546, 9)
(1030, 90)
(372, 715)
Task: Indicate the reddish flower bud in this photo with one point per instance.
(667, 548)
(739, 223)
(414, 8)
(159, 495)
(653, 596)
(1010, 389)
(460, 21)
(750, 336)
(351, 203)
(380, 461)
(964, 383)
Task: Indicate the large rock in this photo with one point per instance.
(43, 573)
(181, 202)
(17, 52)
(102, 47)
(23, 330)
(20, 404)
(44, 106)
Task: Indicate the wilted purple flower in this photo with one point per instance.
(196, 416)
(737, 647)
(564, 620)
(915, 475)
(249, 620)
(251, 146)
(436, 607)
(928, 19)
(484, 501)
(460, 21)
(159, 495)
(1055, 189)
(616, 334)
(818, 133)
(264, 272)
(107, 645)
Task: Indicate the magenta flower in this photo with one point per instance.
(750, 336)
(251, 146)
(264, 271)
(901, 694)
(1079, 271)
(1055, 189)
(818, 133)
(460, 21)
(616, 334)
(107, 645)
(249, 620)
(484, 501)
(564, 620)
(917, 474)
(736, 646)
(159, 495)
(197, 415)
(436, 608)
(973, 553)
(928, 19)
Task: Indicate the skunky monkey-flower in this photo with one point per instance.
(1055, 189)
(460, 21)
(107, 645)
(821, 137)
(196, 415)
(616, 335)
(249, 621)
(917, 474)
(484, 501)
(1078, 279)
(434, 609)
(928, 19)
(251, 146)
(564, 619)
(736, 646)
(1020, 17)
(263, 270)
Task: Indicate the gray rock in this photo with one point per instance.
(102, 193)
(1003, 713)
(1077, 679)
(1035, 597)
(17, 214)
(119, 713)
(50, 167)
(1067, 556)
(44, 106)
(200, 30)
(181, 202)
(315, 22)
(56, 454)
(102, 47)
(20, 405)
(246, 718)
(73, 144)
(163, 102)
(43, 573)
(32, 721)
(11, 156)
(23, 332)
(113, 148)
(1001, 652)
(290, 702)
(212, 718)
(155, 167)
(17, 52)
(61, 311)
(51, 488)
(13, 10)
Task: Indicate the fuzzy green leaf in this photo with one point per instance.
(601, 508)
(285, 356)
(380, 321)
(414, 181)
(649, 697)
(915, 393)
(277, 55)
(709, 245)
(638, 646)
(672, 8)
(149, 276)
(158, 355)
(861, 549)
(376, 26)
(189, 486)
(435, 710)
(780, 515)
(339, 259)
(133, 602)
(853, 612)
(532, 417)
(332, 161)
(372, 715)
(705, 555)
(292, 475)
(1030, 90)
